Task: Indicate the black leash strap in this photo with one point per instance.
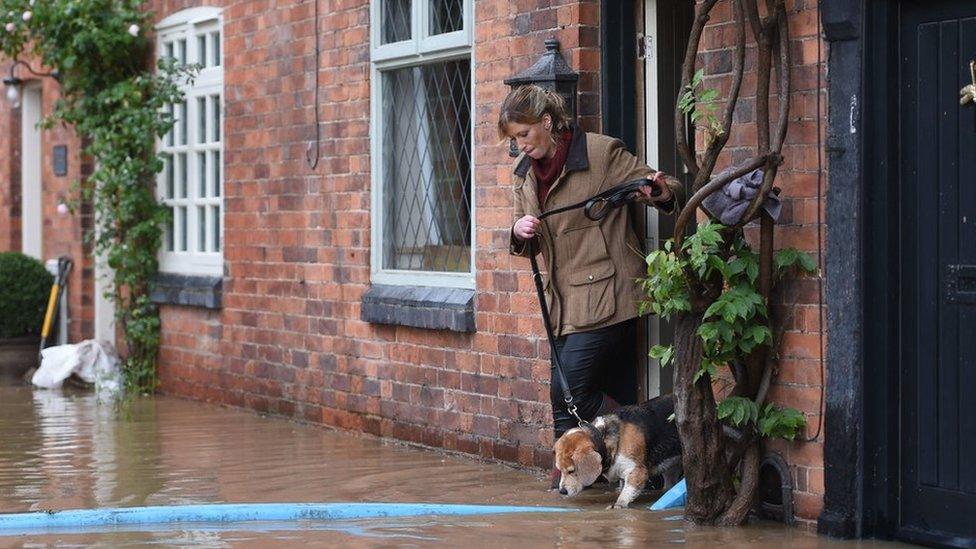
(595, 208)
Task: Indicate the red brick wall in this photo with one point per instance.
(288, 339)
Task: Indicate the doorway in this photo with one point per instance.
(666, 28)
(643, 44)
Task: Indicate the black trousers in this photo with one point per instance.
(596, 363)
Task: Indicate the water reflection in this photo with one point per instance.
(62, 450)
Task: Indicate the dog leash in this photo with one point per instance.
(595, 208)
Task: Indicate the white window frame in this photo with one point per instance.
(421, 49)
(652, 125)
(208, 84)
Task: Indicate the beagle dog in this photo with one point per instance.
(630, 444)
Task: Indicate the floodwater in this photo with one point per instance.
(62, 450)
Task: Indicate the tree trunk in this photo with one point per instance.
(710, 489)
(739, 508)
(712, 498)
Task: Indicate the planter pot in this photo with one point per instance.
(17, 356)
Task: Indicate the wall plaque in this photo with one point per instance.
(60, 160)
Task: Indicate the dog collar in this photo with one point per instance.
(601, 447)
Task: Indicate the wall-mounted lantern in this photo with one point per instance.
(550, 72)
(13, 83)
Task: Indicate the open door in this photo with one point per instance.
(643, 44)
(661, 47)
(30, 172)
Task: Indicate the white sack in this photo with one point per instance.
(93, 361)
(57, 363)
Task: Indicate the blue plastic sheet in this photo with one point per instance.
(673, 498)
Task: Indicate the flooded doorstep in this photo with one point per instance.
(62, 450)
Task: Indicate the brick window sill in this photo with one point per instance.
(188, 290)
(420, 307)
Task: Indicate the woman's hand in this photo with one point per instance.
(659, 181)
(526, 227)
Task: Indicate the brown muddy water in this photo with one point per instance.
(62, 450)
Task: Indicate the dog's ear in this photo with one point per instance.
(560, 448)
(588, 464)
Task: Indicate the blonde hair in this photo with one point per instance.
(527, 104)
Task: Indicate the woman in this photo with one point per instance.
(592, 265)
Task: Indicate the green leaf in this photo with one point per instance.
(736, 266)
(664, 353)
(738, 416)
(708, 331)
(787, 257)
(752, 269)
(706, 368)
(715, 309)
(716, 263)
(738, 410)
(726, 332)
(778, 422)
(747, 345)
(807, 263)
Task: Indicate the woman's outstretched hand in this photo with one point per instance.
(659, 181)
(526, 227)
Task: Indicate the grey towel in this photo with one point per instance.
(729, 203)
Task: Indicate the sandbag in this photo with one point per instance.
(93, 361)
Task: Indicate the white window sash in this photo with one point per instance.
(430, 43)
(198, 258)
(393, 50)
(189, 17)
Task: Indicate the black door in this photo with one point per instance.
(937, 489)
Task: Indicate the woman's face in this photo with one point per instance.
(533, 139)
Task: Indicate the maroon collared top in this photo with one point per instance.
(548, 169)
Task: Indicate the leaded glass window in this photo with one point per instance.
(427, 167)
(446, 16)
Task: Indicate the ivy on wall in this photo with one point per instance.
(114, 99)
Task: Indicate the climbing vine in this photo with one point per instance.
(736, 322)
(114, 99)
(700, 104)
(720, 291)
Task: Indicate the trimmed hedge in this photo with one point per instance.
(24, 289)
